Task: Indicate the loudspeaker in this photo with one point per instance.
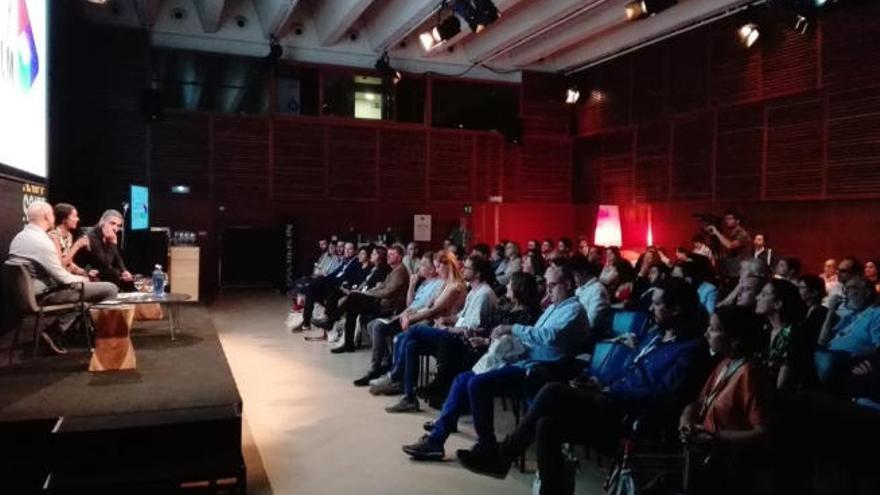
(151, 105)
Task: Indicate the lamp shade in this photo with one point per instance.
(608, 226)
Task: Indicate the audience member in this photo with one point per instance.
(547, 249)
(735, 246)
(829, 275)
(479, 306)
(481, 250)
(533, 245)
(511, 264)
(871, 274)
(787, 268)
(592, 294)
(497, 257)
(387, 297)
(781, 304)
(698, 272)
(434, 291)
(701, 248)
(812, 292)
(732, 413)
(760, 249)
(557, 335)
(411, 258)
(750, 268)
(595, 255)
(848, 267)
(563, 247)
(533, 264)
(747, 297)
(33, 247)
(857, 334)
(583, 247)
(589, 412)
(327, 290)
(643, 288)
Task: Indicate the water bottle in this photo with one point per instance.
(158, 281)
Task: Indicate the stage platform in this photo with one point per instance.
(173, 425)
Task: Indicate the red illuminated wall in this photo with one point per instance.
(788, 133)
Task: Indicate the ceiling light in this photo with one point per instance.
(645, 8)
(572, 95)
(383, 66)
(369, 96)
(801, 24)
(748, 34)
(180, 189)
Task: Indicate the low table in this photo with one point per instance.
(171, 300)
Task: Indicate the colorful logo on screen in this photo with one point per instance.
(28, 60)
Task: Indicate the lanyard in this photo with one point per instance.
(649, 348)
(720, 383)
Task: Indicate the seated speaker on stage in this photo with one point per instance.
(102, 253)
(35, 249)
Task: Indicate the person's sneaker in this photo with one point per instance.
(384, 379)
(390, 388)
(52, 340)
(429, 426)
(485, 461)
(404, 405)
(301, 327)
(370, 376)
(424, 450)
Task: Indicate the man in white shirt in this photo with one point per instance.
(592, 294)
(34, 248)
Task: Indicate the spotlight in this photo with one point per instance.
(645, 8)
(572, 95)
(748, 34)
(801, 24)
(477, 13)
(383, 66)
(443, 31)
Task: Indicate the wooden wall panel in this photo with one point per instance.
(739, 152)
(790, 60)
(299, 170)
(854, 142)
(652, 162)
(649, 83)
(616, 169)
(352, 162)
(850, 38)
(692, 157)
(545, 171)
(402, 164)
(179, 154)
(794, 167)
(587, 164)
(451, 158)
(240, 158)
(489, 167)
(688, 71)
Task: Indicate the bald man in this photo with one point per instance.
(33, 247)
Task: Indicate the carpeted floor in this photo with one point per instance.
(309, 431)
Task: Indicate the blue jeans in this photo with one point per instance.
(422, 340)
(477, 393)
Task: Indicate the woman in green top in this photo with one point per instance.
(780, 303)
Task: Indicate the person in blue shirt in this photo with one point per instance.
(586, 411)
(556, 336)
(327, 289)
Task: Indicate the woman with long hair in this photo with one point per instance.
(781, 304)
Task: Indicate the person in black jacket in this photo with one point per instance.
(102, 253)
(328, 290)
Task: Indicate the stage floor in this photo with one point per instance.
(190, 372)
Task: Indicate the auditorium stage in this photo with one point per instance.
(174, 421)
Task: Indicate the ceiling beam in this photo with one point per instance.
(333, 18)
(594, 22)
(147, 11)
(397, 19)
(533, 18)
(210, 14)
(684, 15)
(274, 15)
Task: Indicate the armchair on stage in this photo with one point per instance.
(23, 300)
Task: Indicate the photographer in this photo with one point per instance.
(735, 243)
